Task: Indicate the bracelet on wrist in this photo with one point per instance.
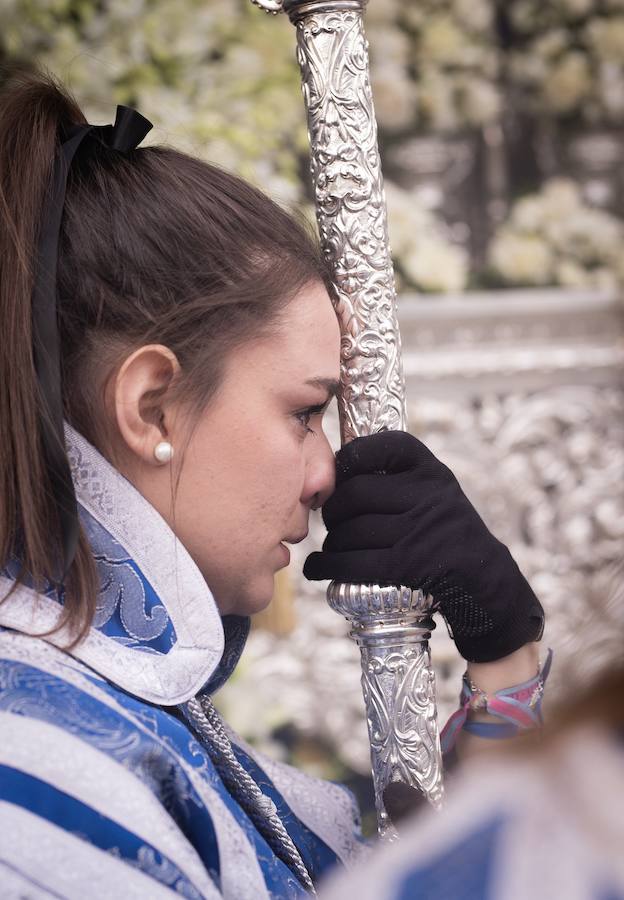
(519, 708)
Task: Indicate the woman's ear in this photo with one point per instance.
(139, 400)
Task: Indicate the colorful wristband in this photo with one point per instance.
(519, 707)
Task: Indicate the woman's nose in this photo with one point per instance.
(320, 476)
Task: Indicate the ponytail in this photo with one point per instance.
(154, 247)
(32, 110)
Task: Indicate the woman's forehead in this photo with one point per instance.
(308, 336)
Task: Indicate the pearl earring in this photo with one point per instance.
(163, 452)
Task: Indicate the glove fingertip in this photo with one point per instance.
(312, 568)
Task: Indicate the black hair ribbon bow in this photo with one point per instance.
(125, 135)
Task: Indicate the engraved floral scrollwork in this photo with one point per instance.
(351, 213)
(346, 174)
(399, 688)
(392, 625)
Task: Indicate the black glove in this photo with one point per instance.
(399, 516)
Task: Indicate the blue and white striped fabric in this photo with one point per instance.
(547, 827)
(104, 791)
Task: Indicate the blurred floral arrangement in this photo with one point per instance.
(568, 57)
(553, 237)
(424, 253)
(220, 80)
(434, 64)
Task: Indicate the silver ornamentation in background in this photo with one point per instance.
(520, 393)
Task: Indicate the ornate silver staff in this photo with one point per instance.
(391, 625)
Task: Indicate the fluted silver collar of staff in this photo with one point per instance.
(392, 625)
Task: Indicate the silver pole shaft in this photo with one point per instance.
(391, 625)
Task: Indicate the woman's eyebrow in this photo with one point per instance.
(328, 384)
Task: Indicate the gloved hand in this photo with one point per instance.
(399, 516)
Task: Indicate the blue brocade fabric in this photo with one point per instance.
(104, 790)
(146, 744)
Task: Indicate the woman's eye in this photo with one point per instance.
(303, 418)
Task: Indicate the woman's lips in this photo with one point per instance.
(291, 540)
(297, 539)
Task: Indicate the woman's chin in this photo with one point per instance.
(256, 605)
(254, 600)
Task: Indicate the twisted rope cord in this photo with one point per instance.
(260, 808)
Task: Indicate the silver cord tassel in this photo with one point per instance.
(260, 808)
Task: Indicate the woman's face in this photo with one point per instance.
(258, 460)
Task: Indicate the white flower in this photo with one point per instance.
(481, 101)
(575, 9)
(606, 38)
(589, 235)
(550, 44)
(436, 96)
(528, 213)
(394, 96)
(554, 237)
(419, 243)
(408, 218)
(522, 259)
(568, 83)
(441, 40)
(245, 63)
(435, 265)
(561, 197)
(474, 15)
(377, 13)
(389, 45)
(569, 273)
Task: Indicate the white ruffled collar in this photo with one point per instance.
(157, 632)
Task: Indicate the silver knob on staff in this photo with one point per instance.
(392, 625)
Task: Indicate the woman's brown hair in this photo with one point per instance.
(155, 247)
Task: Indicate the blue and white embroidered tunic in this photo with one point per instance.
(104, 792)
